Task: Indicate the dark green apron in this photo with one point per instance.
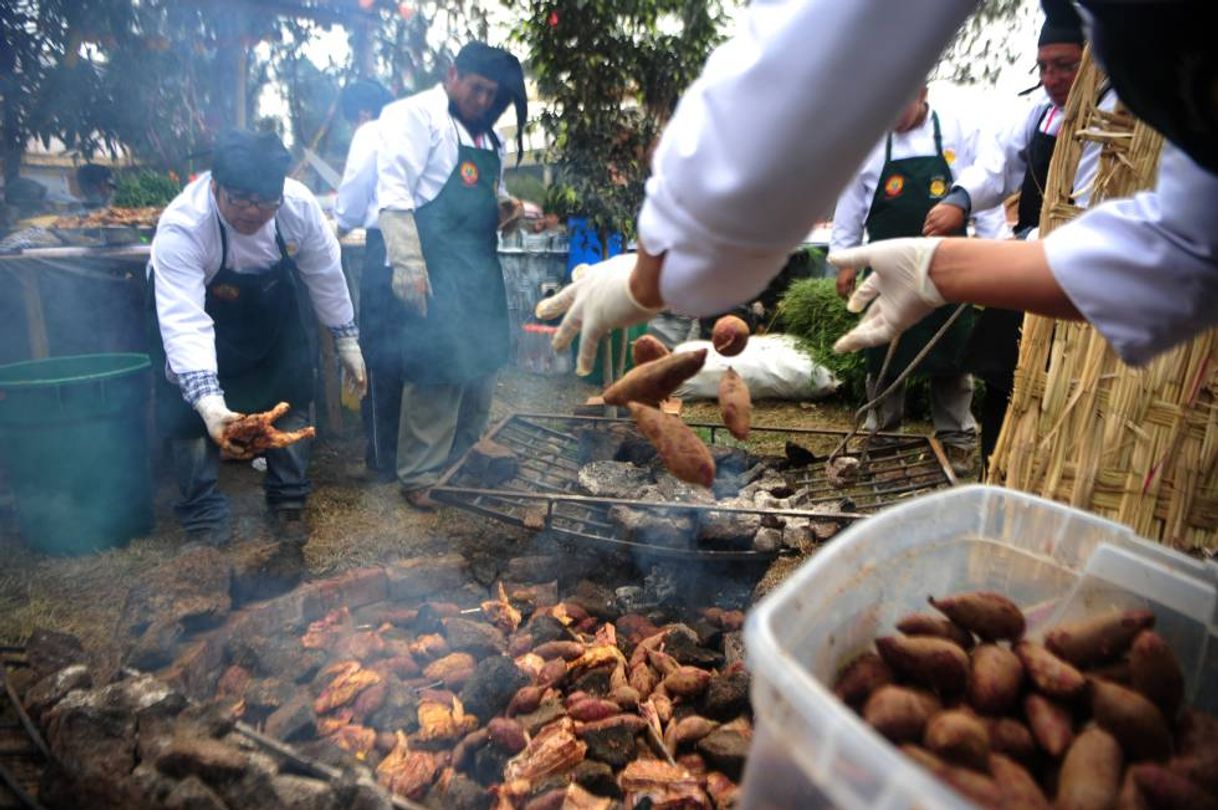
(264, 348)
(908, 189)
(465, 333)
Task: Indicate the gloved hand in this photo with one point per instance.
(899, 289)
(216, 416)
(352, 358)
(410, 282)
(597, 301)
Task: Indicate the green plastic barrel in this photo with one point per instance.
(74, 440)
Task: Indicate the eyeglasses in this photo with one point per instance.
(1058, 67)
(240, 199)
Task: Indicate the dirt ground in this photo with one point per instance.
(353, 523)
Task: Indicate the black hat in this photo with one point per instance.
(1062, 24)
(499, 66)
(255, 162)
(364, 94)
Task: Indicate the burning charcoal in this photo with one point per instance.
(730, 460)
(489, 762)
(613, 479)
(729, 529)
(685, 648)
(767, 541)
(490, 688)
(279, 656)
(292, 721)
(669, 528)
(725, 749)
(490, 463)
(405, 772)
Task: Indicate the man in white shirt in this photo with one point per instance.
(441, 196)
(230, 254)
(901, 180)
(356, 207)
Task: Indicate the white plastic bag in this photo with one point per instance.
(772, 366)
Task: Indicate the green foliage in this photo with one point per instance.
(611, 72)
(525, 186)
(562, 200)
(984, 47)
(812, 311)
(144, 188)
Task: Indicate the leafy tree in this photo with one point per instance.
(983, 48)
(611, 72)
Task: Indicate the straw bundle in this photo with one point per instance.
(1138, 445)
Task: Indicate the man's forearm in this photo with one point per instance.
(645, 279)
(1000, 273)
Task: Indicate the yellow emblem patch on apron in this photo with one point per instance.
(938, 187)
(950, 156)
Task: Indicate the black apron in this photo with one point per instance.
(465, 333)
(907, 190)
(264, 346)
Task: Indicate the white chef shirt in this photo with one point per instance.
(762, 141)
(1144, 271)
(959, 141)
(355, 206)
(417, 150)
(186, 257)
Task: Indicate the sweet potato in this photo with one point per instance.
(687, 730)
(958, 737)
(1196, 732)
(1048, 673)
(995, 678)
(1090, 778)
(682, 452)
(1132, 719)
(1201, 767)
(1019, 789)
(924, 624)
(1011, 738)
(566, 650)
(469, 745)
(625, 696)
(526, 700)
(862, 676)
(507, 734)
(591, 709)
(735, 404)
(1130, 796)
(1116, 672)
(647, 348)
(933, 662)
(730, 335)
(1050, 722)
(1168, 790)
(1099, 638)
(1155, 672)
(978, 787)
(899, 713)
(687, 681)
(652, 383)
(990, 615)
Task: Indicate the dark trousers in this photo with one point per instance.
(382, 407)
(992, 355)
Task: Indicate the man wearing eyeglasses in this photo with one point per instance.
(233, 257)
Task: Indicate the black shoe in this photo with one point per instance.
(290, 526)
(215, 536)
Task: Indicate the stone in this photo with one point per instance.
(726, 695)
(725, 749)
(490, 463)
(282, 657)
(488, 764)
(597, 600)
(359, 791)
(265, 695)
(462, 793)
(487, 692)
(400, 709)
(686, 650)
(422, 577)
(213, 761)
(767, 541)
(255, 787)
(542, 716)
(730, 460)
(544, 628)
(267, 570)
(94, 742)
(595, 682)
(54, 687)
(613, 479)
(533, 568)
(728, 529)
(48, 651)
(192, 794)
(733, 648)
(674, 490)
(476, 638)
(149, 788)
(294, 720)
(596, 777)
(192, 588)
(211, 719)
(303, 793)
(671, 528)
(613, 746)
(156, 646)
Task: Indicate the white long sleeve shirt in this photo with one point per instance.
(779, 120)
(356, 206)
(186, 257)
(417, 150)
(1144, 271)
(959, 141)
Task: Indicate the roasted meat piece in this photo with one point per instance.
(500, 612)
(343, 689)
(656, 784)
(439, 721)
(257, 433)
(358, 740)
(405, 772)
(323, 633)
(554, 750)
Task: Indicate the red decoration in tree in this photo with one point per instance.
(405, 11)
(552, 20)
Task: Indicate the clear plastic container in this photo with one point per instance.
(811, 750)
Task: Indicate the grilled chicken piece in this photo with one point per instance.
(257, 433)
(554, 750)
(500, 612)
(661, 784)
(358, 740)
(405, 772)
(332, 723)
(439, 721)
(343, 689)
(325, 632)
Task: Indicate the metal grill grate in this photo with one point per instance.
(545, 492)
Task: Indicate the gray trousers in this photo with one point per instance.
(196, 464)
(438, 424)
(951, 401)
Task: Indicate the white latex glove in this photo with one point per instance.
(899, 289)
(597, 301)
(216, 416)
(352, 358)
(405, 253)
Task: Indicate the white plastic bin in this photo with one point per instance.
(1058, 563)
